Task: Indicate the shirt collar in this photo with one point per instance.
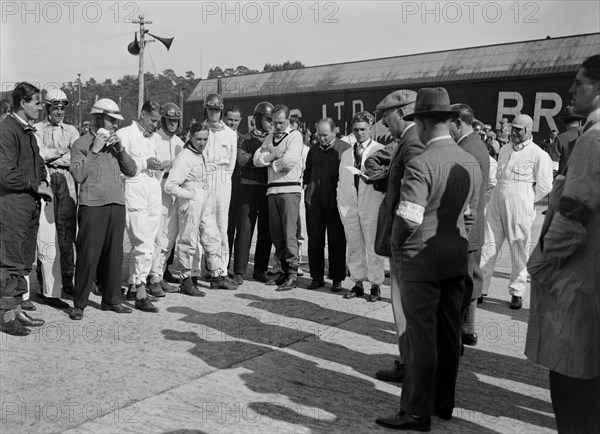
(437, 139)
(412, 124)
(20, 119)
(364, 144)
(593, 118)
(463, 137)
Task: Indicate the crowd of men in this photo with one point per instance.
(439, 202)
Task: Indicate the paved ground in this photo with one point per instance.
(255, 360)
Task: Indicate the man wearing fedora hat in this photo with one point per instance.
(524, 178)
(566, 139)
(438, 206)
(388, 165)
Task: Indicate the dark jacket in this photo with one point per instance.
(566, 142)
(408, 147)
(474, 146)
(99, 175)
(431, 226)
(21, 166)
(250, 174)
(321, 174)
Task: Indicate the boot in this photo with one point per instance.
(187, 287)
(222, 282)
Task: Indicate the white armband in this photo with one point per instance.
(411, 212)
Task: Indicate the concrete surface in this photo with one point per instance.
(256, 361)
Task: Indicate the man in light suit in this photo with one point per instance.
(438, 203)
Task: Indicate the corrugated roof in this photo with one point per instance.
(545, 56)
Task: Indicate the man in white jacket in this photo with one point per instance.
(142, 201)
(359, 203)
(281, 152)
(524, 177)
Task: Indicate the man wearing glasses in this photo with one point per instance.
(55, 139)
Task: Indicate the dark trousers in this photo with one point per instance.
(576, 403)
(253, 206)
(473, 282)
(19, 223)
(234, 204)
(321, 218)
(284, 209)
(99, 253)
(432, 343)
(65, 214)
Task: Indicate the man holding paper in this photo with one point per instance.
(358, 203)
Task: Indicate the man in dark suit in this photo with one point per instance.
(387, 167)
(320, 182)
(438, 205)
(462, 131)
(566, 139)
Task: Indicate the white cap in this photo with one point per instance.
(523, 121)
(55, 94)
(108, 107)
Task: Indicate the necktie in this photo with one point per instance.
(358, 150)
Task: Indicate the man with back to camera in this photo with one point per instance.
(281, 152)
(468, 140)
(524, 178)
(23, 183)
(567, 138)
(389, 165)
(322, 216)
(144, 202)
(97, 160)
(438, 203)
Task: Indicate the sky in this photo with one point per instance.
(49, 43)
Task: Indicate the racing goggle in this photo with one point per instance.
(173, 112)
(214, 105)
(58, 103)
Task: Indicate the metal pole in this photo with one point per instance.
(141, 66)
(79, 100)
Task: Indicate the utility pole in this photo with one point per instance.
(79, 100)
(142, 21)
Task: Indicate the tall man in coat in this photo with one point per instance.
(438, 205)
(564, 325)
(388, 165)
(320, 182)
(23, 183)
(470, 141)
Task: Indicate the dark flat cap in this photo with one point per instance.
(398, 98)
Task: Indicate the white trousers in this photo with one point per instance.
(509, 216)
(48, 253)
(165, 238)
(360, 226)
(143, 201)
(222, 200)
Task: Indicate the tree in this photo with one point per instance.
(287, 65)
(189, 75)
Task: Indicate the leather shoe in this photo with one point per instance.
(28, 321)
(76, 314)
(480, 300)
(290, 283)
(375, 293)
(167, 288)
(405, 422)
(516, 302)
(118, 308)
(187, 287)
(15, 328)
(28, 305)
(131, 296)
(315, 284)
(223, 282)
(336, 286)
(54, 302)
(260, 276)
(238, 279)
(444, 412)
(394, 375)
(469, 339)
(279, 281)
(145, 305)
(356, 291)
(155, 290)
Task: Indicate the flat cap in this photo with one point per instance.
(398, 98)
(523, 121)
